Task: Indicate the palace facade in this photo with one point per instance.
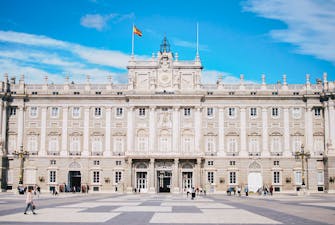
(165, 131)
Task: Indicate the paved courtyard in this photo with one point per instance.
(169, 209)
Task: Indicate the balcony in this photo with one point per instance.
(75, 153)
(255, 154)
(52, 153)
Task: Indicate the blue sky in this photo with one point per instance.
(93, 37)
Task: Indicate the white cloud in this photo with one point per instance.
(100, 22)
(189, 44)
(310, 24)
(211, 76)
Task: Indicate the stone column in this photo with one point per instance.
(287, 150)
(128, 174)
(130, 130)
(42, 151)
(107, 151)
(152, 175)
(332, 123)
(265, 135)
(327, 124)
(176, 129)
(198, 129)
(4, 123)
(221, 151)
(20, 126)
(86, 131)
(243, 133)
(152, 129)
(197, 174)
(175, 176)
(309, 131)
(65, 113)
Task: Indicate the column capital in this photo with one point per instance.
(198, 108)
(176, 160)
(221, 109)
(130, 108)
(242, 108)
(264, 109)
(176, 108)
(198, 161)
(152, 160)
(152, 108)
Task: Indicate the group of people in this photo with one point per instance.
(35, 190)
(263, 190)
(195, 191)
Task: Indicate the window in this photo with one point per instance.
(118, 176)
(231, 112)
(75, 144)
(96, 176)
(232, 163)
(52, 162)
(296, 113)
(141, 111)
(275, 112)
(295, 93)
(142, 144)
(187, 144)
(97, 111)
(253, 93)
(98, 92)
(33, 111)
(231, 93)
(187, 111)
(118, 145)
(210, 112)
(318, 144)
(12, 111)
(52, 176)
(296, 144)
(276, 177)
(232, 145)
(320, 178)
(209, 93)
(275, 145)
(119, 112)
(276, 163)
(232, 177)
(76, 93)
(55, 93)
(118, 162)
(76, 112)
(210, 162)
(274, 93)
(96, 145)
(34, 93)
(317, 112)
(32, 144)
(119, 93)
(54, 112)
(297, 178)
(53, 144)
(96, 162)
(210, 177)
(253, 112)
(253, 145)
(210, 145)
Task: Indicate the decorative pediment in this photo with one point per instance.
(211, 134)
(74, 165)
(33, 133)
(142, 133)
(141, 165)
(254, 134)
(54, 133)
(164, 132)
(297, 133)
(187, 132)
(276, 133)
(254, 166)
(319, 133)
(97, 133)
(76, 133)
(232, 133)
(187, 166)
(118, 133)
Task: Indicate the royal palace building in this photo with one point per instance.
(166, 131)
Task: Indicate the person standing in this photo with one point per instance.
(193, 193)
(271, 190)
(246, 190)
(29, 202)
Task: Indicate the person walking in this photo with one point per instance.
(193, 193)
(29, 202)
(246, 190)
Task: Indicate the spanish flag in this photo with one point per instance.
(137, 31)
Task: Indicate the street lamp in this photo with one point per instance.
(304, 156)
(22, 155)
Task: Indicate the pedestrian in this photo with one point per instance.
(29, 202)
(271, 190)
(193, 193)
(239, 191)
(246, 190)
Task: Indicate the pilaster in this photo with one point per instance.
(308, 130)
(243, 137)
(130, 129)
(198, 129)
(287, 151)
(107, 151)
(86, 131)
(152, 175)
(221, 151)
(176, 129)
(20, 126)
(265, 135)
(175, 176)
(42, 151)
(152, 129)
(128, 177)
(64, 151)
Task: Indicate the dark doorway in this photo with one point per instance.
(74, 181)
(164, 181)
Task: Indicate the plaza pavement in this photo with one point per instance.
(140, 209)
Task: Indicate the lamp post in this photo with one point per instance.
(304, 156)
(21, 155)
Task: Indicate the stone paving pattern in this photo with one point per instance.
(169, 209)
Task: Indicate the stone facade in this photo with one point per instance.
(165, 131)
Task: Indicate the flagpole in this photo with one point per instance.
(197, 54)
(132, 41)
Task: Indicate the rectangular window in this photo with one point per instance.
(210, 162)
(54, 112)
(118, 162)
(210, 177)
(52, 162)
(76, 112)
(232, 177)
(296, 113)
(119, 112)
(276, 163)
(275, 112)
(96, 162)
(253, 93)
(320, 178)
(210, 112)
(33, 111)
(317, 112)
(52, 176)
(231, 112)
(97, 112)
(141, 111)
(187, 111)
(232, 163)
(253, 112)
(12, 111)
(276, 177)
(118, 176)
(96, 176)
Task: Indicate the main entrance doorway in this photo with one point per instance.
(141, 181)
(255, 181)
(164, 181)
(187, 180)
(75, 180)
